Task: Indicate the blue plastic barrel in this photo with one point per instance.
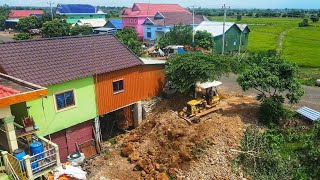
(19, 154)
(37, 148)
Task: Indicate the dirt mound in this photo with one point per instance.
(164, 146)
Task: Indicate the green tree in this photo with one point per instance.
(275, 80)
(178, 35)
(80, 30)
(129, 37)
(27, 23)
(55, 28)
(4, 11)
(304, 23)
(185, 70)
(204, 40)
(239, 17)
(47, 17)
(22, 36)
(314, 18)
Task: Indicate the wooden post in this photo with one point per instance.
(27, 164)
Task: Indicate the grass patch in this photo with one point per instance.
(302, 46)
(308, 76)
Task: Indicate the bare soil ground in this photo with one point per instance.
(164, 146)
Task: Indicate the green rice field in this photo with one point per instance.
(297, 44)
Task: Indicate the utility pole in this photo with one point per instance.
(193, 43)
(51, 3)
(224, 24)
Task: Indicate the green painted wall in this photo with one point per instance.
(232, 40)
(51, 121)
(73, 18)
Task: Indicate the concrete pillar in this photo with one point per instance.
(137, 113)
(28, 168)
(11, 133)
(4, 155)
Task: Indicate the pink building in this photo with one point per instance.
(135, 16)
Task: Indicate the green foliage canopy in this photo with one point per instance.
(178, 35)
(27, 23)
(129, 37)
(272, 77)
(80, 30)
(185, 70)
(204, 40)
(22, 36)
(55, 28)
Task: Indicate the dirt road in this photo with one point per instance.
(310, 99)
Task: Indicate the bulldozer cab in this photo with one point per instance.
(206, 97)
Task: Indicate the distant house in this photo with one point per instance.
(110, 28)
(90, 79)
(114, 23)
(156, 26)
(94, 23)
(76, 12)
(236, 36)
(17, 14)
(134, 17)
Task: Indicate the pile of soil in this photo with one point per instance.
(164, 146)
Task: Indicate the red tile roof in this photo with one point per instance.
(6, 91)
(146, 9)
(176, 18)
(52, 61)
(23, 13)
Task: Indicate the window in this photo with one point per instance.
(91, 16)
(65, 100)
(135, 20)
(81, 17)
(117, 86)
(149, 34)
(130, 20)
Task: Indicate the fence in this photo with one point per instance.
(43, 161)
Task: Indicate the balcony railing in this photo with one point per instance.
(34, 166)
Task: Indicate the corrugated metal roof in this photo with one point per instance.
(75, 8)
(151, 61)
(117, 23)
(24, 13)
(215, 28)
(309, 113)
(95, 23)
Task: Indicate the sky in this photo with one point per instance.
(273, 4)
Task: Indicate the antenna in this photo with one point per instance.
(51, 3)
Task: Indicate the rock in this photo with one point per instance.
(157, 167)
(142, 164)
(143, 173)
(185, 156)
(126, 151)
(134, 156)
(162, 176)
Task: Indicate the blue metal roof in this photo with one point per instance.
(117, 23)
(309, 113)
(76, 8)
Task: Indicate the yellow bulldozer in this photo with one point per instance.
(205, 102)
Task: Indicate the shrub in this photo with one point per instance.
(22, 36)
